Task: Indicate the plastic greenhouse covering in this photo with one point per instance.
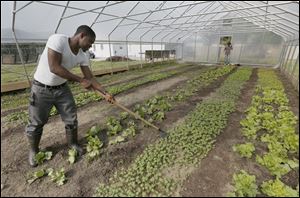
(262, 32)
(171, 99)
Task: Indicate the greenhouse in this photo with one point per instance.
(150, 98)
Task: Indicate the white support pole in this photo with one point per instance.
(224, 11)
(182, 51)
(281, 55)
(278, 28)
(92, 10)
(127, 54)
(214, 20)
(115, 29)
(207, 57)
(62, 15)
(152, 59)
(98, 15)
(141, 53)
(239, 60)
(195, 48)
(24, 6)
(164, 9)
(165, 46)
(169, 60)
(161, 52)
(288, 55)
(16, 41)
(161, 31)
(293, 71)
(290, 61)
(111, 63)
(286, 47)
(158, 7)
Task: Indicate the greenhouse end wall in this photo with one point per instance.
(259, 48)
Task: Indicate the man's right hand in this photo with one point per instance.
(87, 84)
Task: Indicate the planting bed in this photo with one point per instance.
(205, 111)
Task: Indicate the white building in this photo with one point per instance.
(101, 50)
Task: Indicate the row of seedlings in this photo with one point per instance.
(186, 145)
(269, 121)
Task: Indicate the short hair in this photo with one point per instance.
(87, 30)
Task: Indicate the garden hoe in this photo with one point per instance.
(162, 133)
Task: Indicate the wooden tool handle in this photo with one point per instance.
(136, 115)
(129, 111)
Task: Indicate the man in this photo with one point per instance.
(49, 86)
(227, 50)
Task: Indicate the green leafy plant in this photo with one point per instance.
(94, 130)
(130, 131)
(57, 176)
(113, 126)
(41, 156)
(141, 111)
(159, 116)
(36, 175)
(84, 98)
(21, 115)
(118, 139)
(277, 165)
(72, 155)
(154, 108)
(275, 188)
(93, 147)
(124, 115)
(244, 185)
(187, 143)
(269, 114)
(245, 150)
(291, 143)
(94, 144)
(53, 111)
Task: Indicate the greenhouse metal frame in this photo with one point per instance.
(183, 25)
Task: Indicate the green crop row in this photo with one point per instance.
(120, 129)
(87, 97)
(270, 118)
(154, 109)
(186, 144)
(11, 101)
(245, 186)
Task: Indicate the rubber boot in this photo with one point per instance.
(34, 141)
(72, 141)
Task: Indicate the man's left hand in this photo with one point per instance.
(110, 98)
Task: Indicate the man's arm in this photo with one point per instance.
(86, 72)
(54, 59)
(96, 85)
(89, 76)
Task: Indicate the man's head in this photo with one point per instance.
(86, 37)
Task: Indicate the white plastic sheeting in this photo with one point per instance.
(248, 48)
(262, 32)
(167, 21)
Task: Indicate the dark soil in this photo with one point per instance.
(83, 177)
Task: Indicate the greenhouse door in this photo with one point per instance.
(223, 41)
